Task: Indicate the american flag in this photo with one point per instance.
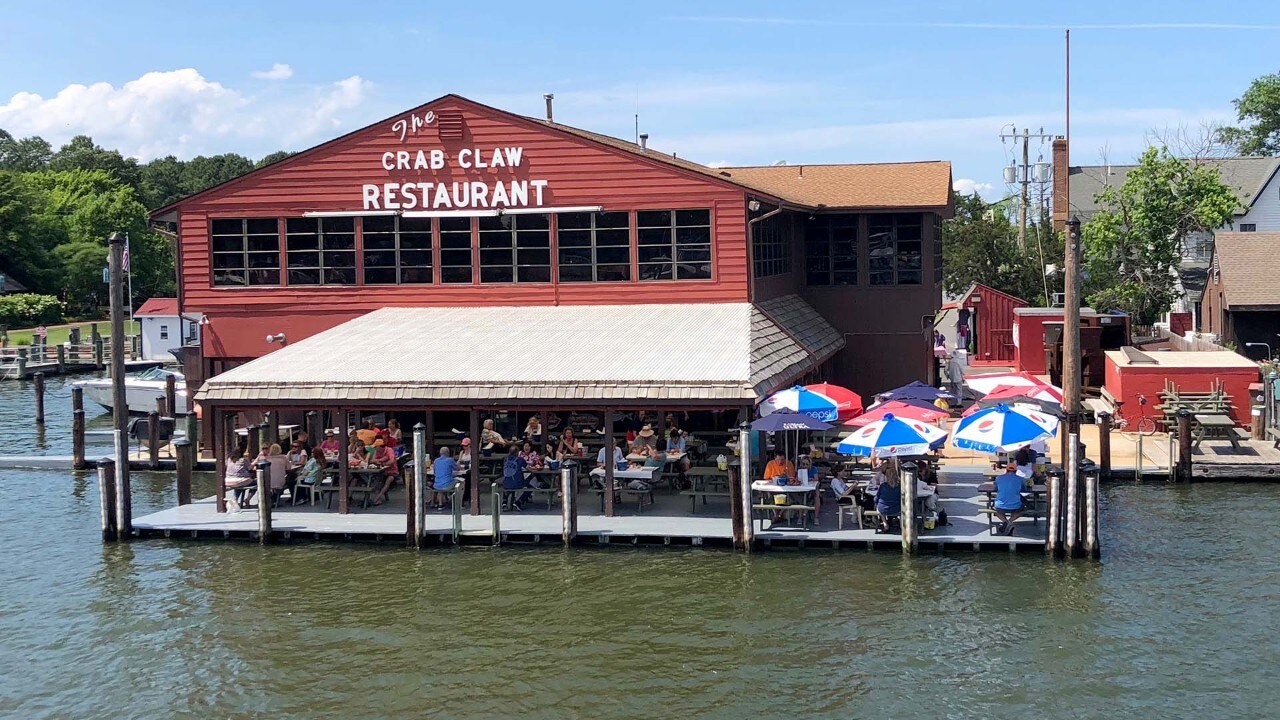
(124, 263)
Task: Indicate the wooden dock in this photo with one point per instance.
(1218, 460)
(667, 522)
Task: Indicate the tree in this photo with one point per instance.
(82, 154)
(29, 154)
(1134, 244)
(980, 245)
(162, 182)
(1258, 111)
(274, 157)
(204, 172)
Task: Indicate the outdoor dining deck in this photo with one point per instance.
(668, 521)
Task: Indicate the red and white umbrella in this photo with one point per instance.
(900, 410)
(848, 403)
(984, 384)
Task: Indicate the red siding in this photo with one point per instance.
(329, 179)
(993, 325)
(1128, 382)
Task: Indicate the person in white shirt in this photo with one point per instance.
(619, 460)
(926, 493)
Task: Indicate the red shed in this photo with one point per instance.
(989, 316)
(1131, 373)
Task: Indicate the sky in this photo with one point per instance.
(722, 83)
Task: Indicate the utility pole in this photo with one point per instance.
(1021, 174)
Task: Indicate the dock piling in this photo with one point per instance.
(1053, 517)
(568, 504)
(73, 336)
(264, 501)
(124, 492)
(908, 517)
(190, 430)
(185, 450)
(99, 351)
(497, 513)
(170, 396)
(1073, 496)
(419, 484)
(77, 428)
(1092, 541)
(1104, 444)
(107, 498)
(39, 382)
(162, 406)
(22, 364)
(1184, 445)
(62, 359)
(153, 439)
(744, 481)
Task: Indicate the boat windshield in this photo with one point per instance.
(157, 373)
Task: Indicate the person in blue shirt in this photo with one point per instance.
(445, 469)
(1008, 504)
(513, 476)
(888, 499)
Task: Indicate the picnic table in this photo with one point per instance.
(701, 479)
(1217, 426)
(671, 457)
(647, 475)
(1037, 493)
(364, 481)
(806, 507)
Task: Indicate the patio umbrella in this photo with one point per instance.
(785, 421)
(848, 403)
(1045, 406)
(902, 410)
(1002, 428)
(1038, 392)
(984, 384)
(890, 437)
(802, 401)
(915, 391)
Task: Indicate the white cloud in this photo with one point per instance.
(278, 71)
(180, 112)
(967, 186)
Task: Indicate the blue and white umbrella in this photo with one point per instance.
(1003, 428)
(890, 437)
(802, 401)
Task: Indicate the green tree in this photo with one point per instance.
(1134, 244)
(162, 182)
(29, 154)
(82, 154)
(980, 245)
(1258, 111)
(204, 172)
(274, 157)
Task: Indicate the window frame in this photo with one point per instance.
(593, 247)
(511, 228)
(673, 245)
(896, 224)
(830, 224)
(771, 247)
(322, 253)
(397, 249)
(245, 267)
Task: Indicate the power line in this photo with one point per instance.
(1021, 174)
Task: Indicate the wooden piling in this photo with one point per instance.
(107, 498)
(170, 396)
(1053, 517)
(253, 436)
(77, 428)
(476, 454)
(191, 430)
(744, 481)
(608, 463)
(124, 493)
(568, 505)
(99, 352)
(496, 531)
(153, 439)
(907, 481)
(1072, 497)
(185, 451)
(1104, 444)
(39, 383)
(264, 501)
(162, 406)
(1184, 446)
(736, 519)
(62, 359)
(73, 336)
(1092, 541)
(420, 490)
(22, 363)
(344, 462)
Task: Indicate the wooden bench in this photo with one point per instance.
(620, 490)
(509, 495)
(704, 494)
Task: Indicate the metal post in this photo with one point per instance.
(744, 477)
(419, 483)
(264, 501)
(186, 450)
(568, 504)
(1184, 445)
(608, 463)
(39, 382)
(457, 508)
(1104, 444)
(1072, 497)
(119, 405)
(476, 454)
(153, 439)
(107, 498)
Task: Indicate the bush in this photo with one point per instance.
(28, 310)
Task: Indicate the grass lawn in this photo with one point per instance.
(58, 334)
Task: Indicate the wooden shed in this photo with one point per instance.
(988, 315)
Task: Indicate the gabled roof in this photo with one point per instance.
(739, 355)
(1246, 176)
(909, 185)
(1250, 267)
(167, 307)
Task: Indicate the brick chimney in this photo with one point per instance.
(1061, 184)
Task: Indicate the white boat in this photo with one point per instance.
(140, 390)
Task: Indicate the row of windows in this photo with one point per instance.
(894, 243)
(591, 247)
(772, 246)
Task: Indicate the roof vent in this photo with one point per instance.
(549, 97)
(644, 141)
(450, 123)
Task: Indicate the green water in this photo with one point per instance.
(1177, 620)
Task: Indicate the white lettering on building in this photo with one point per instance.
(461, 194)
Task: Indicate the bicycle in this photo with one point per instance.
(1146, 424)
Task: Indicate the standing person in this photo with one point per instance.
(444, 478)
(513, 477)
(464, 455)
(393, 432)
(1008, 503)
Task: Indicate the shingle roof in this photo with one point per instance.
(848, 186)
(1250, 265)
(166, 307)
(1245, 175)
(731, 353)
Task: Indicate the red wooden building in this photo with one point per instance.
(454, 203)
(988, 313)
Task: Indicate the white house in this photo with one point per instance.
(163, 329)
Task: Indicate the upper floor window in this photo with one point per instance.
(594, 247)
(515, 248)
(397, 250)
(771, 246)
(455, 250)
(893, 245)
(831, 250)
(245, 252)
(937, 248)
(321, 251)
(1248, 227)
(674, 244)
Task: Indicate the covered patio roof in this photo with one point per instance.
(718, 354)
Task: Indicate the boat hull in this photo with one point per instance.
(139, 396)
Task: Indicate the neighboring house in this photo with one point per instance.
(1241, 302)
(1255, 181)
(164, 329)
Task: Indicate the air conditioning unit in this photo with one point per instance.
(1059, 299)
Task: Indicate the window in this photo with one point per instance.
(455, 250)
(164, 332)
(1248, 227)
(893, 244)
(515, 248)
(771, 246)
(397, 250)
(674, 244)
(831, 250)
(322, 251)
(937, 248)
(594, 247)
(246, 252)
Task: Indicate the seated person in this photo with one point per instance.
(513, 477)
(368, 433)
(533, 430)
(445, 471)
(356, 454)
(490, 438)
(779, 470)
(239, 478)
(464, 455)
(569, 446)
(888, 501)
(384, 457)
(296, 457)
(619, 460)
(312, 473)
(1008, 503)
(330, 445)
(927, 494)
(647, 436)
(1025, 460)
